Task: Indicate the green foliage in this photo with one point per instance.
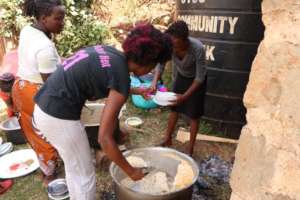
(81, 27)
(81, 4)
(11, 19)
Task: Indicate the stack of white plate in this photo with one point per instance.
(164, 98)
(6, 148)
(58, 189)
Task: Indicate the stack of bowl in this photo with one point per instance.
(6, 148)
(13, 131)
(58, 189)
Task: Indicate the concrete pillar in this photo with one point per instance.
(267, 165)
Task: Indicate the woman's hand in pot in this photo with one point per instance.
(137, 174)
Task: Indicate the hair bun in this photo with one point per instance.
(7, 77)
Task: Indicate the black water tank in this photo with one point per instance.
(231, 31)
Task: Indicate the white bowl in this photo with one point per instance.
(133, 122)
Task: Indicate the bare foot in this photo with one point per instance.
(47, 179)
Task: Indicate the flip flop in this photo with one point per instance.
(5, 185)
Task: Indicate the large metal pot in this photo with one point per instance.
(165, 159)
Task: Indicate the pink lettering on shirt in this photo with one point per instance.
(99, 49)
(103, 57)
(104, 61)
(80, 55)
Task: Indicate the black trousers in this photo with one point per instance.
(193, 107)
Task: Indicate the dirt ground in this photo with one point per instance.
(149, 134)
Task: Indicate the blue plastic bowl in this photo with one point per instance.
(139, 100)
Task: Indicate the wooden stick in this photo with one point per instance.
(184, 136)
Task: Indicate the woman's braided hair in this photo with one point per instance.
(37, 8)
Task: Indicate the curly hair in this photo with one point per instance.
(179, 29)
(147, 45)
(37, 8)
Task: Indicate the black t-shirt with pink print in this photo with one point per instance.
(87, 75)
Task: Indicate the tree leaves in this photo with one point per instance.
(81, 27)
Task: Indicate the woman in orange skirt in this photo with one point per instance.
(38, 58)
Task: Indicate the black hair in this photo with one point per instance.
(37, 8)
(6, 82)
(147, 45)
(179, 29)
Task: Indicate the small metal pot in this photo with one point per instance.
(158, 157)
(13, 131)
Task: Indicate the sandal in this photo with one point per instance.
(5, 185)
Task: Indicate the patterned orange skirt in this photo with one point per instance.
(23, 93)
